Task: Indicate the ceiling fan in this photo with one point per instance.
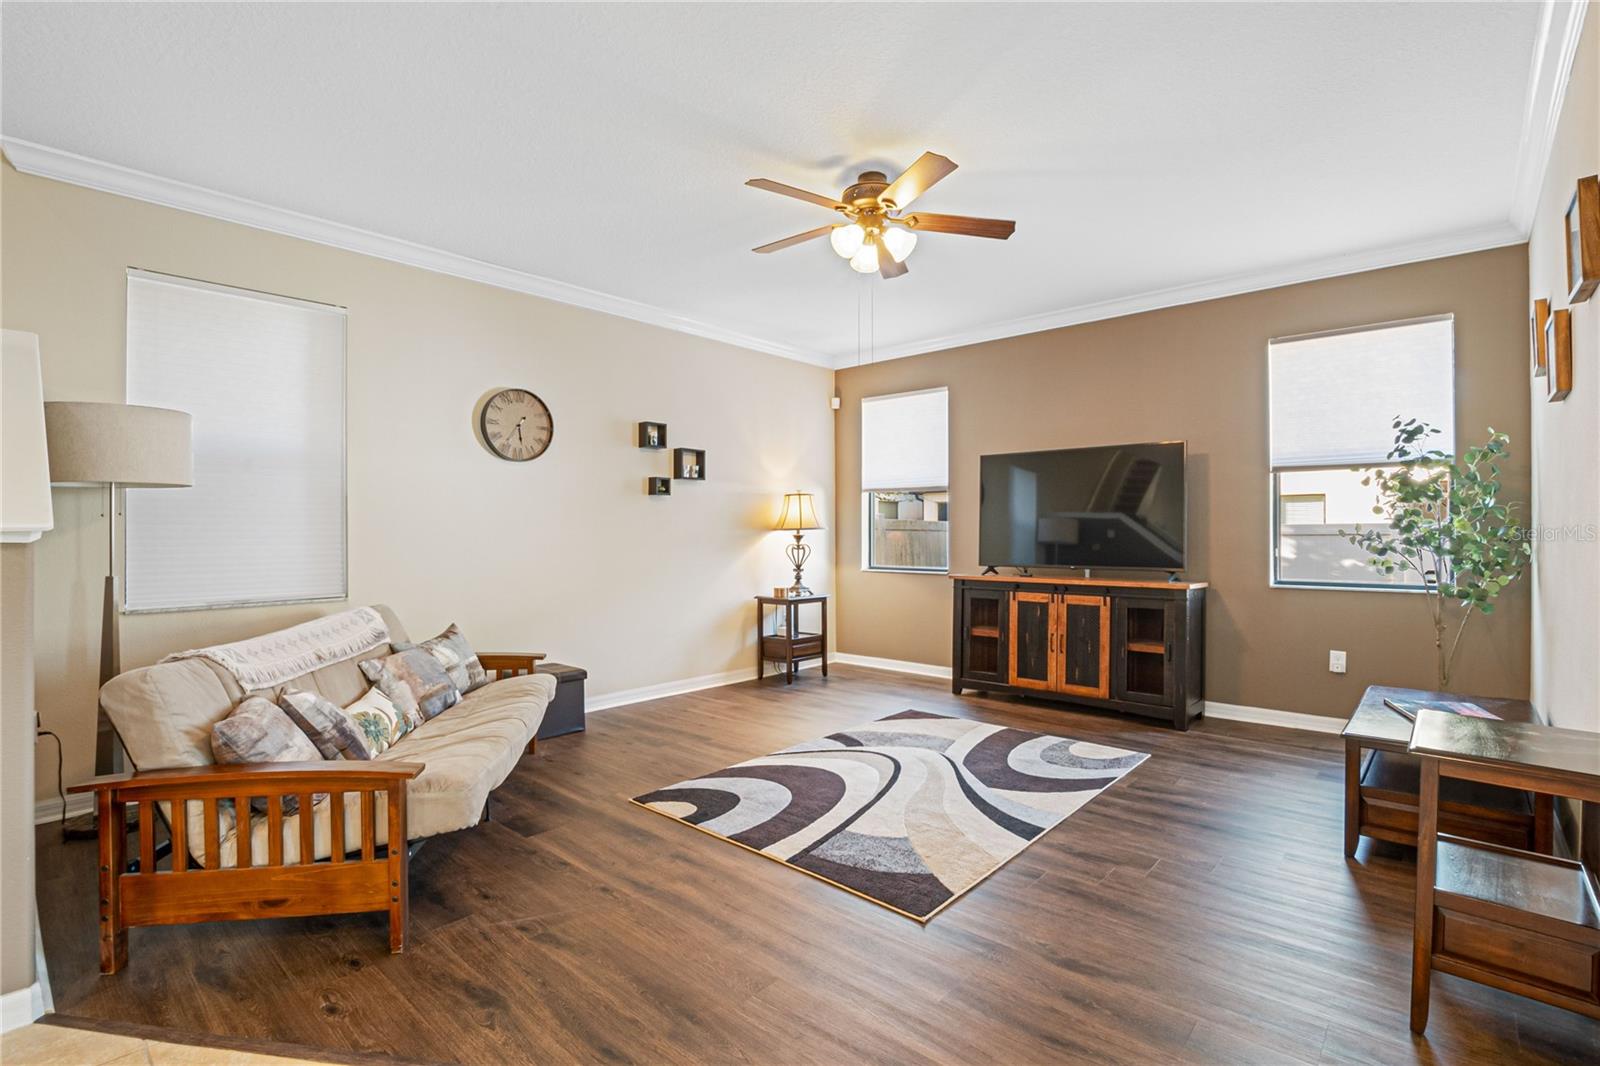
(879, 234)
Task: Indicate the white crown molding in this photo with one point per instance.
(46, 162)
(1314, 723)
(1554, 49)
(1475, 240)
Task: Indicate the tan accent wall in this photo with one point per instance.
(16, 766)
(1199, 373)
(1566, 435)
(565, 555)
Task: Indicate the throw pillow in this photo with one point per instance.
(379, 720)
(452, 652)
(330, 727)
(416, 683)
(258, 730)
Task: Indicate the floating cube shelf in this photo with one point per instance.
(689, 464)
(653, 435)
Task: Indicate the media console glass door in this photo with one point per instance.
(1084, 645)
(1061, 643)
(1144, 631)
(985, 614)
(1033, 636)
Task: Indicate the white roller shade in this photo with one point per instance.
(1334, 396)
(263, 378)
(905, 441)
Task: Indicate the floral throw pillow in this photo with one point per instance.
(451, 650)
(415, 682)
(379, 720)
(258, 730)
(331, 728)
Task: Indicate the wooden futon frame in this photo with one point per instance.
(370, 879)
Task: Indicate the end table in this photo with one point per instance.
(791, 645)
(1507, 917)
(1383, 781)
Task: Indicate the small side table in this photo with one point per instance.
(1382, 781)
(1513, 919)
(565, 713)
(792, 646)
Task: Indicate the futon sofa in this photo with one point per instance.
(435, 779)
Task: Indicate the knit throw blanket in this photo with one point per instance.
(270, 660)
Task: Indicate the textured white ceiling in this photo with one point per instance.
(1139, 147)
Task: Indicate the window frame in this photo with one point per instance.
(867, 516)
(343, 595)
(867, 565)
(1274, 473)
(1275, 553)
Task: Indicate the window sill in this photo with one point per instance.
(1332, 587)
(904, 570)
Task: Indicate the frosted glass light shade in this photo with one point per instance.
(899, 241)
(847, 240)
(865, 261)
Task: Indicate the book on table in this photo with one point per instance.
(1408, 709)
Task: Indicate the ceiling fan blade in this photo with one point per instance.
(965, 225)
(799, 194)
(798, 238)
(918, 178)
(886, 264)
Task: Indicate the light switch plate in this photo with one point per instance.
(1336, 662)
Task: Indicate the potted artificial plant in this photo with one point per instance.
(1446, 523)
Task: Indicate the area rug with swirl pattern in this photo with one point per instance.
(909, 811)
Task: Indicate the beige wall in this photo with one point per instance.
(1566, 435)
(1198, 373)
(565, 554)
(16, 766)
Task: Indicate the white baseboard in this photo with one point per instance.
(49, 810)
(677, 688)
(1315, 723)
(899, 666)
(22, 1007)
(41, 972)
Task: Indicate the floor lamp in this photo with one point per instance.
(118, 446)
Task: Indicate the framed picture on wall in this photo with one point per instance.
(1583, 240)
(1558, 343)
(1536, 323)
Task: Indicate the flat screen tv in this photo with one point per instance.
(1119, 507)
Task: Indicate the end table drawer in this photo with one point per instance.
(1389, 800)
(802, 643)
(1521, 954)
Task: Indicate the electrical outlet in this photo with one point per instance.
(1336, 662)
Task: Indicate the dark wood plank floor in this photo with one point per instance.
(1201, 910)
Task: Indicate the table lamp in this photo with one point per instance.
(799, 515)
(119, 446)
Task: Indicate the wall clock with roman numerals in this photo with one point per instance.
(516, 425)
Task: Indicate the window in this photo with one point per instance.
(1333, 399)
(905, 475)
(263, 378)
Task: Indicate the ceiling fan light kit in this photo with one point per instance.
(879, 236)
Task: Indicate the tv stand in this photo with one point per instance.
(991, 570)
(1134, 646)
